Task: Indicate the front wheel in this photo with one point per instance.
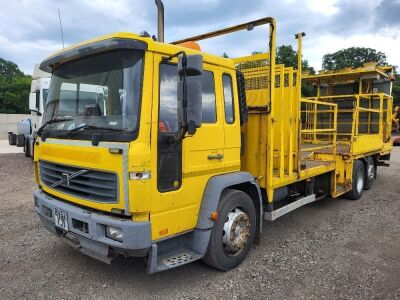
(233, 233)
(27, 148)
(358, 181)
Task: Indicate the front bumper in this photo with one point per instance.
(86, 230)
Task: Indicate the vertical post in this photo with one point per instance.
(282, 124)
(335, 128)
(370, 114)
(292, 123)
(356, 117)
(315, 123)
(381, 114)
(160, 21)
(271, 115)
(299, 36)
(61, 29)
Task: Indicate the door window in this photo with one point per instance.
(228, 99)
(168, 115)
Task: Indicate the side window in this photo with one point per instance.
(38, 100)
(168, 115)
(228, 99)
(208, 95)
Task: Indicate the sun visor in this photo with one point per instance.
(90, 49)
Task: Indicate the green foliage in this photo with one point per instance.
(353, 57)
(14, 88)
(286, 55)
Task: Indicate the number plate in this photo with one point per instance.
(60, 218)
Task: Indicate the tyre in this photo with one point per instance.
(370, 173)
(27, 148)
(233, 233)
(358, 181)
(12, 139)
(20, 140)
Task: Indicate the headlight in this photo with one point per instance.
(114, 233)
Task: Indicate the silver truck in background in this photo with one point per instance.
(26, 129)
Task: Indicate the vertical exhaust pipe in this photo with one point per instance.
(160, 21)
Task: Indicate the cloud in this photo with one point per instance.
(30, 30)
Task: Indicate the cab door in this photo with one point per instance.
(231, 118)
(183, 169)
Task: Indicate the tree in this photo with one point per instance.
(353, 57)
(9, 69)
(14, 88)
(286, 55)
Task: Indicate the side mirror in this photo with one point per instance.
(190, 116)
(190, 65)
(189, 94)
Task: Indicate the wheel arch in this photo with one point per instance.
(242, 181)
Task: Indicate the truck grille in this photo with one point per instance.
(82, 183)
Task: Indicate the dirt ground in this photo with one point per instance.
(328, 249)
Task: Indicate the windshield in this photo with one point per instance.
(102, 90)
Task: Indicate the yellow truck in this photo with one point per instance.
(161, 151)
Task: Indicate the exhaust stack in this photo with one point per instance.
(160, 21)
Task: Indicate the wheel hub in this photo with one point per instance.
(360, 182)
(236, 232)
(371, 171)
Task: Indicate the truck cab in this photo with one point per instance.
(110, 173)
(37, 101)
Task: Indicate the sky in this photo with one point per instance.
(30, 30)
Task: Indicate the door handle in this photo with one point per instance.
(215, 156)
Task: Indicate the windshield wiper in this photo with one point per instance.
(72, 131)
(52, 121)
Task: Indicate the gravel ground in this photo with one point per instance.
(329, 249)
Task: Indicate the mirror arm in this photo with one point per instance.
(36, 111)
(168, 58)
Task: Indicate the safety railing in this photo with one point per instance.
(319, 126)
(363, 114)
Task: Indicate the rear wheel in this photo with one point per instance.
(12, 139)
(358, 181)
(371, 173)
(20, 140)
(233, 233)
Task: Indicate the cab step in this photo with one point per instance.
(275, 214)
(181, 258)
(178, 251)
